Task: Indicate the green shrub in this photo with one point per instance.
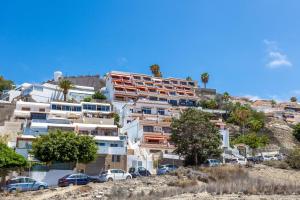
(296, 131)
(99, 95)
(87, 99)
(252, 140)
(293, 159)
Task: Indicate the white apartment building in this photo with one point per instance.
(88, 118)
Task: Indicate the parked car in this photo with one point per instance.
(164, 169)
(114, 174)
(280, 156)
(24, 184)
(211, 163)
(254, 160)
(239, 161)
(269, 157)
(140, 171)
(77, 179)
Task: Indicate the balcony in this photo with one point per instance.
(112, 150)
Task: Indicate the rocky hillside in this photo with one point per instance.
(281, 134)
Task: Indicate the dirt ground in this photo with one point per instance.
(158, 185)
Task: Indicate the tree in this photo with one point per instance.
(189, 78)
(116, 117)
(241, 115)
(9, 161)
(205, 78)
(195, 137)
(64, 147)
(296, 131)
(209, 104)
(5, 84)
(252, 140)
(273, 103)
(155, 69)
(293, 99)
(65, 85)
(255, 125)
(99, 95)
(293, 159)
(226, 97)
(87, 149)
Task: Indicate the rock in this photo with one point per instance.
(84, 194)
(98, 196)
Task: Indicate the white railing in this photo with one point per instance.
(112, 150)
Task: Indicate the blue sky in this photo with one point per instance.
(249, 48)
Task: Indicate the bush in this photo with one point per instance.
(183, 183)
(293, 159)
(87, 99)
(252, 140)
(296, 131)
(99, 95)
(277, 164)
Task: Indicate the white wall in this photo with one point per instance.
(51, 177)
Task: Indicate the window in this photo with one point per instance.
(89, 107)
(25, 109)
(148, 129)
(38, 115)
(113, 145)
(146, 110)
(29, 180)
(152, 90)
(161, 111)
(153, 98)
(166, 82)
(183, 83)
(116, 158)
(182, 102)
(101, 144)
(173, 102)
(149, 84)
(162, 99)
(42, 110)
(172, 93)
(166, 129)
(103, 108)
(147, 78)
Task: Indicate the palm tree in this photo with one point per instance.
(205, 78)
(65, 86)
(188, 78)
(155, 69)
(226, 97)
(273, 103)
(293, 99)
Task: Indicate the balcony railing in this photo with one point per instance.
(112, 150)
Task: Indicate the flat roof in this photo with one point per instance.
(107, 138)
(26, 137)
(32, 103)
